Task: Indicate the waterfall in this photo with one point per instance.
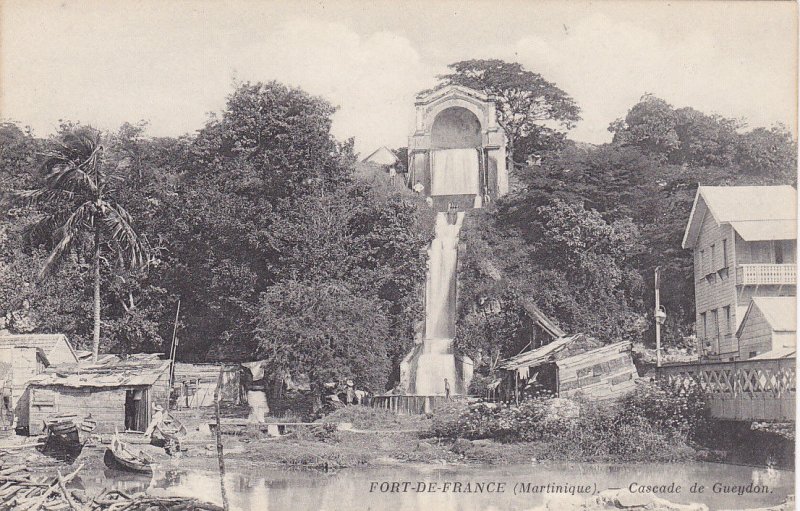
(436, 360)
(440, 295)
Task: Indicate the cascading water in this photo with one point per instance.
(440, 293)
(435, 361)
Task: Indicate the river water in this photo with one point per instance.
(350, 489)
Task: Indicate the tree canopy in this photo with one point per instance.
(262, 204)
(530, 109)
(260, 224)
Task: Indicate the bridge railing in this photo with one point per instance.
(757, 390)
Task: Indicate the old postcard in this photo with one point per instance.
(346, 256)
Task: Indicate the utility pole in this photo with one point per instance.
(659, 314)
(173, 350)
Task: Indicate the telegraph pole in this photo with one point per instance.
(659, 314)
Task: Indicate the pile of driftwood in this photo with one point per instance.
(22, 491)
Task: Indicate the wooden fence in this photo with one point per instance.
(750, 390)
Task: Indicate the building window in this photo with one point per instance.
(724, 253)
(752, 354)
(778, 249)
(704, 333)
(712, 267)
(728, 325)
(714, 323)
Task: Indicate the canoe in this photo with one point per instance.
(170, 428)
(120, 456)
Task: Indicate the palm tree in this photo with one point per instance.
(76, 177)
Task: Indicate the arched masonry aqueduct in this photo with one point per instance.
(451, 118)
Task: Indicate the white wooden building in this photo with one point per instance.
(743, 239)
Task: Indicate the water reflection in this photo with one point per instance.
(278, 490)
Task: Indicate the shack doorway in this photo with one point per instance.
(136, 413)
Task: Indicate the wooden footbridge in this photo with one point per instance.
(749, 390)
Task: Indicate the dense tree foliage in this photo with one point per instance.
(279, 250)
(528, 106)
(636, 192)
(261, 205)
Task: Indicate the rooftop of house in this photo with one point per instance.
(141, 369)
(556, 350)
(757, 213)
(783, 352)
(45, 342)
(541, 319)
(382, 156)
(779, 311)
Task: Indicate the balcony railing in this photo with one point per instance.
(760, 274)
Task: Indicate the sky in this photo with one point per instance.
(172, 62)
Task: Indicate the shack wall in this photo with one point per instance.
(159, 392)
(603, 373)
(107, 406)
(22, 364)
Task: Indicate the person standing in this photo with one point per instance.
(446, 389)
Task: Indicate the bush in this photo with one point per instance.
(649, 423)
(499, 422)
(321, 432)
(677, 414)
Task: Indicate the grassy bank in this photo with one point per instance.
(648, 425)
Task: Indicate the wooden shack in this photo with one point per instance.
(119, 395)
(194, 384)
(567, 367)
(18, 365)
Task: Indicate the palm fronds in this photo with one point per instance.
(119, 224)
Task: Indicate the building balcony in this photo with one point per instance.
(766, 274)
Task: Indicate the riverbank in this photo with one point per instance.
(375, 437)
(358, 436)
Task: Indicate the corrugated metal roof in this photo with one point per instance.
(537, 356)
(779, 311)
(740, 204)
(541, 319)
(775, 354)
(131, 373)
(760, 230)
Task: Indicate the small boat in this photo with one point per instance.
(170, 428)
(168, 433)
(120, 456)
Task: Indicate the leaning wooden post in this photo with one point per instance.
(220, 455)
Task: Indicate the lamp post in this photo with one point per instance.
(660, 315)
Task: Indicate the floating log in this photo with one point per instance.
(25, 492)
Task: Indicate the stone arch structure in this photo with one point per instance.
(456, 117)
(456, 127)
